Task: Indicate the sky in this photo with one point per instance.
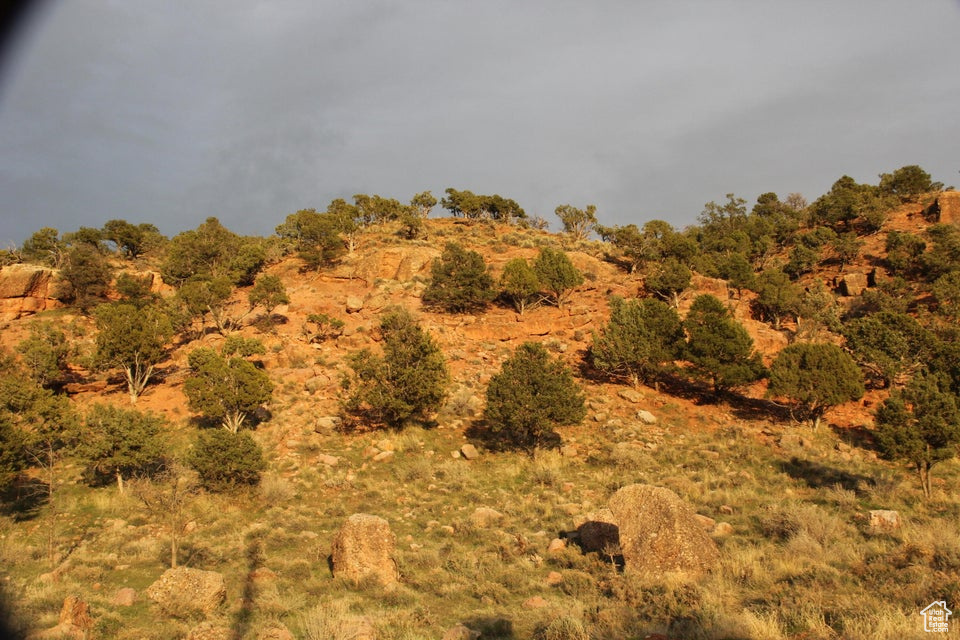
(170, 111)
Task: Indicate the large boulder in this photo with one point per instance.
(853, 284)
(184, 591)
(363, 549)
(659, 533)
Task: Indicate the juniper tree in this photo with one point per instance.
(407, 383)
(227, 390)
(577, 222)
(119, 443)
(226, 460)
(531, 395)
(133, 339)
(459, 281)
(669, 279)
(557, 274)
(718, 346)
(519, 284)
(920, 425)
(44, 354)
(816, 377)
(639, 341)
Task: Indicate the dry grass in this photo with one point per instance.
(800, 563)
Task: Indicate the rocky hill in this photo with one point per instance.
(476, 542)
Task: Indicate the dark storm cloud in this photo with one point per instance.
(172, 111)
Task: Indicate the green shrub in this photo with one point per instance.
(226, 460)
(460, 281)
(531, 395)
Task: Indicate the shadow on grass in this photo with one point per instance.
(818, 476)
(859, 436)
(243, 617)
(23, 498)
(492, 627)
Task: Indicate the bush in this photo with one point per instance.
(531, 395)
(226, 460)
(459, 281)
(406, 383)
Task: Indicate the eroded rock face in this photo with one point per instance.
(183, 591)
(26, 289)
(659, 532)
(363, 549)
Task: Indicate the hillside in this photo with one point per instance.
(487, 541)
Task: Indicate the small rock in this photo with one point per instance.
(554, 578)
(569, 451)
(328, 460)
(631, 395)
(599, 417)
(469, 452)
(567, 487)
(726, 509)
(125, 597)
(884, 521)
(707, 522)
(326, 424)
(354, 304)
(723, 529)
(384, 456)
(646, 417)
(455, 455)
(710, 454)
(536, 602)
(449, 530)
(485, 517)
(556, 545)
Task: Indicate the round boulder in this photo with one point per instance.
(659, 532)
(183, 591)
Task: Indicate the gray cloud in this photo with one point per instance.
(171, 112)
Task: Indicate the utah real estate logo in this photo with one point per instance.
(936, 617)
